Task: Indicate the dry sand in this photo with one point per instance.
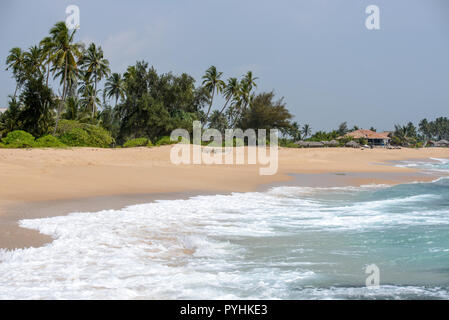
(46, 182)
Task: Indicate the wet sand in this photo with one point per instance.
(44, 183)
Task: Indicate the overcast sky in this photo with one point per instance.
(317, 54)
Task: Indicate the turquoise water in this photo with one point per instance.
(286, 243)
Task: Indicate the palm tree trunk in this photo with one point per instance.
(15, 91)
(48, 70)
(65, 79)
(224, 107)
(94, 94)
(63, 96)
(210, 106)
(57, 116)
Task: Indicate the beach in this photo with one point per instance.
(39, 183)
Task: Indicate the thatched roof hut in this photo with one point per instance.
(442, 144)
(313, 144)
(352, 144)
(309, 144)
(332, 143)
(301, 144)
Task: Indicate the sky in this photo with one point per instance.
(317, 54)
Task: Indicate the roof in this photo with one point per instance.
(367, 134)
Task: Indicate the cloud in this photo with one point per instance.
(126, 47)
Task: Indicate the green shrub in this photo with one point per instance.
(363, 141)
(19, 139)
(291, 145)
(137, 142)
(98, 136)
(239, 142)
(165, 140)
(65, 126)
(214, 144)
(75, 138)
(395, 141)
(49, 142)
(2, 145)
(76, 134)
(149, 144)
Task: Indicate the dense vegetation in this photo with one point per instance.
(131, 109)
(97, 108)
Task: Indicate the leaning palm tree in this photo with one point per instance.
(242, 98)
(231, 91)
(115, 87)
(48, 49)
(96, 66)
(245, 94)
(306, 130)
(15, 61)
(65, 50)
(212, 82)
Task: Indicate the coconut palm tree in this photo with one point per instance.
(115, 87)
(306, 130)
(73, 74)
(89, 99)
(65, 51)
(15, 61)
(96, 66)
(72, 109)
(212, 82)
(244, 96)
(295, 131)
(250, 80)
(32, 61)
(231, 90)
(48, 49)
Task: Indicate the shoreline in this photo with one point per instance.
(230, 179)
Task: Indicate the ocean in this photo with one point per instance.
(285, 243)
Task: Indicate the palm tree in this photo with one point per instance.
(250, 80)
(73, 74)
(33, 60)
(212, 82)
(65, 52)
(115, 87)
(96, 66)
(89, 98)
(15, 61)
(306, 130)
(295, 131)
(424, 127)
(230, 91)
(72, 109)
(245, 94)
(48, 48)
